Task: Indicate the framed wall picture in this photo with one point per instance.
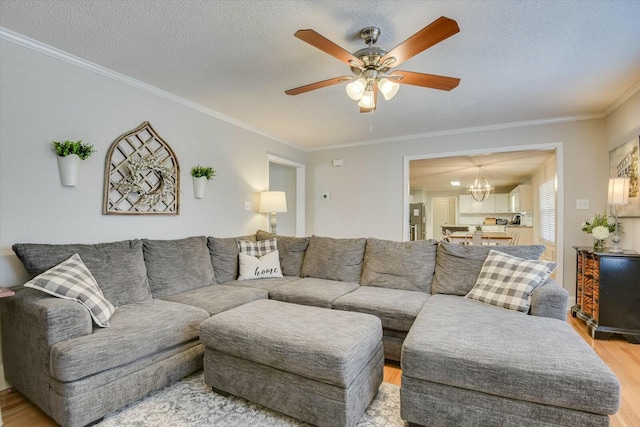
(623, 163)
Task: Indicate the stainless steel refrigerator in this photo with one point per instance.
(417, 221)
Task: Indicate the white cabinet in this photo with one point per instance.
(521, 199)
(494, 203)
(502, 203)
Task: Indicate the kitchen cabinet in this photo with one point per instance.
(502, 203)
(521, 199)
(526, 234)
(494, 203)
(607, 293)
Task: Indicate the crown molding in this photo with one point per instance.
(29, 43)
(622, 99)
(449, 132)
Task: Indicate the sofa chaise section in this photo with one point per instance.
(467, 363)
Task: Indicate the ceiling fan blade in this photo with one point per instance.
(439, 30)
(327, 46)
(426, 80)
(318, 85)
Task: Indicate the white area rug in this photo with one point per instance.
(190, 402)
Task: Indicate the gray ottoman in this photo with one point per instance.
(466, 363)
(318, 365)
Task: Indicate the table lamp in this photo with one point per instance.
(272, 202)
(618, 196)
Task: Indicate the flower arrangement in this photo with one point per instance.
(599, 227)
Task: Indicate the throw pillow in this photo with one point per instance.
(257, 249)
(507, 281)
(458, 266)
(71, 279)
(260, 267)
(292, 250)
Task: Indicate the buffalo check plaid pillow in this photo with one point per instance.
(507, 281)
(258, 249)
(71, 279)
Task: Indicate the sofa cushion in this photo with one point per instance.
(334, 259)
(72, 280)
(399, 265)
(458, 266)
(507, 281)
(179, 265)
(218, 298)
(265, 284)
(224, 256)
(137, 330)
(259, 267)
(292, 250)
(397, 309)
(118, 267)
(310, 291)
(469, 345)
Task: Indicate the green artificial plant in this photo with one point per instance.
(84, 151)
(203, 171)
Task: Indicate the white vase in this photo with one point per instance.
(199, 185)
(69, 166)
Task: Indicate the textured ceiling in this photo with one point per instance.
(517, 60)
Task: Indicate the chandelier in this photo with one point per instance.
(480, 189)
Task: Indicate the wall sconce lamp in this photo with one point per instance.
(618, 196)
(272, 202)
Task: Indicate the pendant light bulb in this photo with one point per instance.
(355, 89)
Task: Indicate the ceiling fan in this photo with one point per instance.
(372, 65)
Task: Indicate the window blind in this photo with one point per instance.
(548, 211)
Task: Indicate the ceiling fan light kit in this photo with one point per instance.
(372, 65)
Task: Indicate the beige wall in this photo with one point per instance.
(367, 193)
(623, 125)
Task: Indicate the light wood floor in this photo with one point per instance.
(622, 357)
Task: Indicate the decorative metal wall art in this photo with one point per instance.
(142, 175)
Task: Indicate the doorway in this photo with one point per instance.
(438, 172)
(288, 176)
(443, 214)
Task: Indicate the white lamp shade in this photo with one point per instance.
(355, 89)
(388, 88)
(367, 100)
(273, 201)
(618, 191)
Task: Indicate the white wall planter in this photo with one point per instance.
(69, 166)
(199, 185)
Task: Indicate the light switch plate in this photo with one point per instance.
(582, 204)
(247, 206)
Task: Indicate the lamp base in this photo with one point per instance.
(273, 223)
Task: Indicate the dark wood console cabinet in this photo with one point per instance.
(608, 293)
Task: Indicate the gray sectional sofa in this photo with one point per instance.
(164, 289)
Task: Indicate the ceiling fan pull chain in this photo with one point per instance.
(371, 121)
